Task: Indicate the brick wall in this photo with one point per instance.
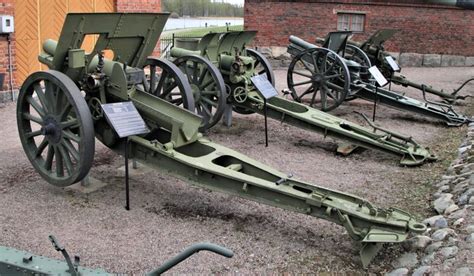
(6, 7)
(423, 28)
(140, 6)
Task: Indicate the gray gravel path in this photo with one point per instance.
(168, 215)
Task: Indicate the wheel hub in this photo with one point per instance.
(51, 130)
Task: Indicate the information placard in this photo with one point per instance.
(264, 86)
(125, 119)
(375, 72)
(393, 64)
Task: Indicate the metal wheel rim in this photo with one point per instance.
(165, 84)
(322, 71)
(61, 120)
(356, 54)
(262, 65)
(208, 88)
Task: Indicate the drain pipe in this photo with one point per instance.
(464, 4)
(10, 66)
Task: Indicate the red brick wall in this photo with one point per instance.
(423, 28)
(140, 6)
(6, 7)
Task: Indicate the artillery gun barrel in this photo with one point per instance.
(301, 43)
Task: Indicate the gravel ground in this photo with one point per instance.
(168, 215)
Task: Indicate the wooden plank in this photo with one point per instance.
(27, 38)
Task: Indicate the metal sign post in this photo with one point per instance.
(267, 91)
(126, 121)
(394, 67)
(380, 81)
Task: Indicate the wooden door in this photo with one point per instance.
(38, 20)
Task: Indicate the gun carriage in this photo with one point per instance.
(319, 69)
(374, 50)
(58, 117)
(220, 74)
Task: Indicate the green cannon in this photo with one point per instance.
(337, 79)
(58, 115)
(220, 74)
(373, 50)
(14, 262)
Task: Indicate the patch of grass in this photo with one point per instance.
(198, 32)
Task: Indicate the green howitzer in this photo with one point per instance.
(375, 52)
(341, 78)
(222, 69)
(57, 124)
(15, 262)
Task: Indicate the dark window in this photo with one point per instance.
(350, 22)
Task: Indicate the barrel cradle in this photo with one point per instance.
(59, 113)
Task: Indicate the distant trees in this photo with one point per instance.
(202, 8)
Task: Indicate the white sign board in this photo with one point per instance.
(393, 64)
(375, 72)
(264, 86)
(125, 119)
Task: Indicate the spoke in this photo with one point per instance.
(331, 67)
(195, 72)
(49, 89)
(168, 89)
(71, 136)
(49, 158)
(202, 76)
(302, 74)
(331, 77)
(257, 62)
(334, 86)
(323, 97)
(66, 159)
(186, 71)
(315, 63)
(41, 96)
(74, 123)
(307, 91)
(153, 79)
(313, 99)
(261, 72)
(161, 82)
(35, 105)
(30, 117)
(65, 112)
(305, 65)
(204, 99)
(210, 93)
(209, 82)
(207, 111)
(33, 134)
(332, 95)
(302, 83)
(41, 147)
(59, 162)
(71, 149)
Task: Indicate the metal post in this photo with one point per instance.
(127, 188)
(266, 124)
(375, 102)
